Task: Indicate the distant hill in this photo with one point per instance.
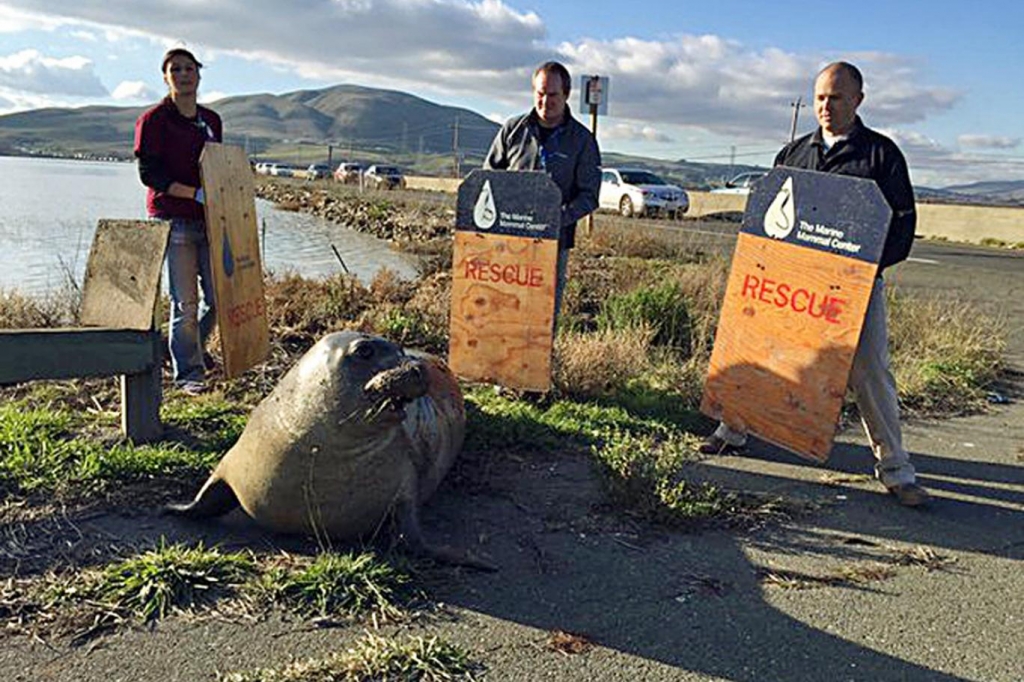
(348, 116)
(368, 124)
(1004, 191)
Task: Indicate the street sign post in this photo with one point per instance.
(503, 278)
(802, 273)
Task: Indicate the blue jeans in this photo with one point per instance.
(188, 269)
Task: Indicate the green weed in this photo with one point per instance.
(40, 452)
(165, 579)
(662, 309)
(336, 584)
(376, 659)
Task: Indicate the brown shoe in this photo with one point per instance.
(714, 445)
(910, 494)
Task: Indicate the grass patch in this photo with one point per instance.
(42, 451)
(214, 424)
(644, 474)
(660, 310)
(945, 353)
(171, 577)
(642, 457)
(602, 363)
(336, 584)
(166, 579)
(376, 659)
(177, 578)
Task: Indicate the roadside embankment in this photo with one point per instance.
(385, 215)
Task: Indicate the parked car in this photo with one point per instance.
(636, 192)
(281, 170)
(384, 177)
(741, 184)
(349, 172)
(263, 168)
(318, 171)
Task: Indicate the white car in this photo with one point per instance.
(741, 184)
(636, 192)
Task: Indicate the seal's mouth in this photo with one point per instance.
(391, 390)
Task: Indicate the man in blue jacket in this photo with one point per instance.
(549, 139)
(842, 144)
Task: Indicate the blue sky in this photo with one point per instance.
(688, 80)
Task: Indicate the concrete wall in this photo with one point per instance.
(955, 222)
(943, 221)
(971, 223)
(707, 203)
(422, 182)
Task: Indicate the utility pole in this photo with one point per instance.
(797, 106)
(455, 147)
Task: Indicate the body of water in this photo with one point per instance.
(49, 209)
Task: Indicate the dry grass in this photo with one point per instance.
(568, 643)
(597, 364)
(847, 576)
(59, 309)
(945, 352)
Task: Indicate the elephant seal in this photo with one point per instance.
(356, 431)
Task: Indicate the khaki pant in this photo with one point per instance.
(875, 392)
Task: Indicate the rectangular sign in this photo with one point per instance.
(503, 306)
(521, 204)
(594, 93)
(235, 256)
(798, 290)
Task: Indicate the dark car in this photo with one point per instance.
(384, 177)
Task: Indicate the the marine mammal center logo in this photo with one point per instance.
(780, 218)
(485, 213)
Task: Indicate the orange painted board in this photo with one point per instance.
(235, 256)
(789, 327)
(503, 304)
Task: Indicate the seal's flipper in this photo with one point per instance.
(410, 538)
(216, 498)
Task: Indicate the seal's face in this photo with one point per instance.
(375, 373)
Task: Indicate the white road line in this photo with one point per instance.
(927, 261)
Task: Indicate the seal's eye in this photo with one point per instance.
(363, 350)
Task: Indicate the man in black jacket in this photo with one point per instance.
(845, 146)
(550, 140)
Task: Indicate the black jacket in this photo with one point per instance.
(864, 154)
(572, 160)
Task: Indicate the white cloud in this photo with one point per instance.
(488, 49)
(933, 164)
(988, 142)
(13, 21)
(134, 91)
(707, 85)
(213, 96)
(32, 72)
(632, 132)
(86, 36)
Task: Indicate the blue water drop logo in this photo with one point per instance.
(228, 257)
